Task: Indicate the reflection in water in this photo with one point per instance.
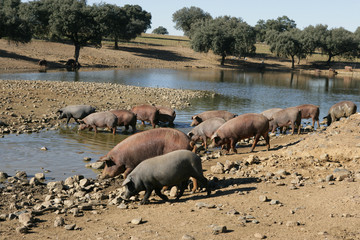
(241, 92)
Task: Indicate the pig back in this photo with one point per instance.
(145, 112)
(140, 146)
(243, 126)
(101, 119)
(78, 111)
(125, 117)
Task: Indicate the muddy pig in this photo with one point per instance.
(75, 111)
(171, 169)
(288, 116)
(125, 118)
(198, 118)
(147, 113)
(268, 113)
(100, 119)
(310, 111)
(126, 155)
(241, 127)
(166, 115)
(204, 131)
(339, 110)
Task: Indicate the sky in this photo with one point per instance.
(333, 13)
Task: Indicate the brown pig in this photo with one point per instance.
(198, 118)
(241, 127)
(339, 110)
(166, 114)
(126, 155)
(99, 119)
(204, 131)
(288, 116)
(125, 118)
(148, 113)
(310, 111)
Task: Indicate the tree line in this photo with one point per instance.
(230, 36)
(71, 20)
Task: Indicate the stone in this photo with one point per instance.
(252, 160)
(341, 173)
(84, 183)
(40, 176)
(173, 191)
(21, 174)
(274, 202)
(187, 237)
(263, 198)
(232, 212)
(324, 157)
(3, 175)
(292, 224)
(22, 230)
(87, 159)
(44, 148)
(97, 165)
(136, 221)
(59, 221)
(218, 168)
(70, 227)
(259, 236)
(218, 229)
(25, 219)
(123, 206)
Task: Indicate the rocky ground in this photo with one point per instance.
(305, 187)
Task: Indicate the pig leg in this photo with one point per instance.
(162, 196)
(114, 130)
(267, 139)
(182, 189)
(94, 127)
(195, 185)
(147, 195)
(127, 171)
(204, 142)
(133, 128)
(257, 137)
(232, 144)
(199, 177)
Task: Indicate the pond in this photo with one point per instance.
(240, 92)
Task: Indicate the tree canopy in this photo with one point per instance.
(12, 26)
(224, 36)
(186, 17)
(160, 30)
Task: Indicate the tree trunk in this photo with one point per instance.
(116, 43)
(223, 59)
(329, 59)
(77, 54)
(292, 62)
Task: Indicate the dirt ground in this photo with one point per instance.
(305, 187)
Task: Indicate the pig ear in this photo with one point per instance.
(126, 181)
(190, 134)
(193, 117)
(81, 121)
(108, 161)
(214, 136)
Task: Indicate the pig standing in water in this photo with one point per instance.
(76, 112)
(171, 169)
(126, 155)
(148, 113)
(125, 118)
(204, 130)
(198, 118)
(100, 119)
(339, 110)
(244, 126)
(284, 118)
(166, 115)
(310, 111)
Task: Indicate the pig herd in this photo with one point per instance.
(170, 154)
